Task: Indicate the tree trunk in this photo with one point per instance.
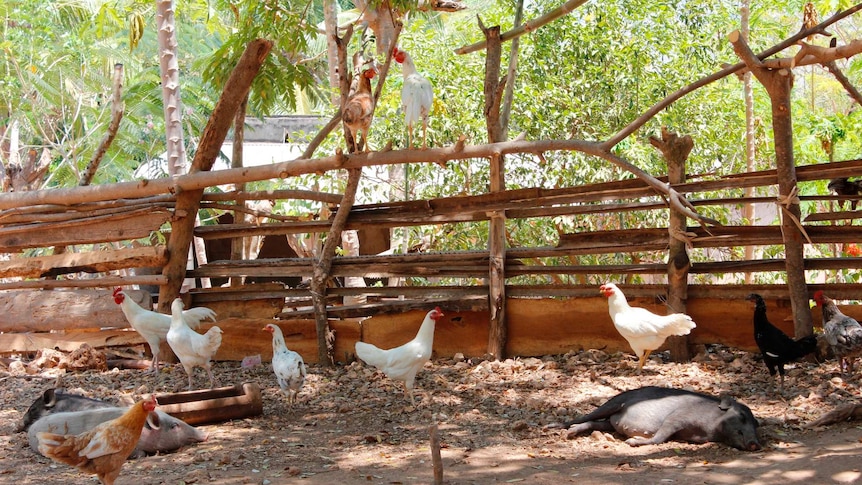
(169, 66)
(325, 338)
(188, 201)
(778, 83)
(748, 95)
(675, 150)
(236, 161)
(494, 86)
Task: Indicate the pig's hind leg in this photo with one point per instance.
(581, 428)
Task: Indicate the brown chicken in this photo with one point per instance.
(359, 111)
(103, 449)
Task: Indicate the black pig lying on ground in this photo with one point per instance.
(56, 401)
(652, 415)
(60, 412)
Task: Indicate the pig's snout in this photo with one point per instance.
(753, 446)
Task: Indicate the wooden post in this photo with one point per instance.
(189, 201)
(436, 459)
(236, 161)
(325, 337)
(778, 83)
(494, 88)
(675, 150)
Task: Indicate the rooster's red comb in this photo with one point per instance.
(117, 290)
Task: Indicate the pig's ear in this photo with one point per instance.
(153, 421)
(49, 398)
(726, 403)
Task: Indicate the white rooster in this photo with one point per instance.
(644, 330)
(287, 365)
(417, 96)
(154, 326)
(402, 363)
(193, 349)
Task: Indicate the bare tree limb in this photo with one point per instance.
(842, 79)
(113, 127)
(526, 27)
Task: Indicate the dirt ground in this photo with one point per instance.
(354, 426)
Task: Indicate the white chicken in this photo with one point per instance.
(193, 349)
(417, 96)
(154, 326)
(644, 330)
(288, 366)
(402, 363)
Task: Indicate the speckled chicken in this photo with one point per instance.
(359, 111)
(103, 449)
(842, 333)
(287, 365)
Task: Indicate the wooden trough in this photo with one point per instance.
(213, 405)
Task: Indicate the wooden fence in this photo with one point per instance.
(721, 313)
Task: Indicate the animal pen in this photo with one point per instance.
(486, 316)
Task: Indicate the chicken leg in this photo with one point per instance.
(643, 360)
(410, 393)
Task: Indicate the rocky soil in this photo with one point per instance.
(354, 426)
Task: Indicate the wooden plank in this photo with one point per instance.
(456, 332)
(103, 282)
(87, 262)
(655, 239)
(467, 303)
(43, 311)
(131, 225)
(243, 337)
(13, 343)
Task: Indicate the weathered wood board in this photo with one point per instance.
(243, 337)
(89, 262)
(13, 343)
(133, 225)
(43, 311)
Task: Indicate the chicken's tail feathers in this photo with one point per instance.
(194, 316)
(49, 439)
(213, 336)
(58, 447)
(680, 324)
(370, 354)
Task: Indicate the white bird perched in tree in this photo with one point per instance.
(402, 363)
(417, 96)
(287, 365)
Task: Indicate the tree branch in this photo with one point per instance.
(661, 105)
(113, 127)
(527, 27)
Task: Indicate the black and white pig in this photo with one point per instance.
(652, 415)
(161, 433)
(56, 401)
(61, 412)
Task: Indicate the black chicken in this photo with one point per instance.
(845, 186)
(777, 348)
